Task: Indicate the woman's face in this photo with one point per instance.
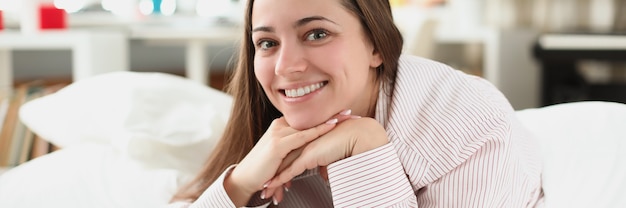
(313, 59)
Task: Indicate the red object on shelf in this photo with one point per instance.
(1, 21)
(51, 17)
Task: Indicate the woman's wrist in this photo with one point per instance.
(237, 193)
(375, 136)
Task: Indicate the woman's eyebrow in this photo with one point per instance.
(263, 29)
(299, 23)
(306, 20)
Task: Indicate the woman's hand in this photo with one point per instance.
(262, 162)
(350, 137)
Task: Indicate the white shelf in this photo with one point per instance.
(195, 39)
(194, 32)
(93, 51)
(218, 34)
(583, 42)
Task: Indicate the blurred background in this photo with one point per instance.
(538, 52)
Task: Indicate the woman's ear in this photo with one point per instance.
(376, 59)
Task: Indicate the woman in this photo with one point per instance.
(328, 113)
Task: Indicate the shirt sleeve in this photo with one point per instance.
(491, 177)
(214, 196)
(374, 178)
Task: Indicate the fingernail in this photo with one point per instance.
(266, 184)
(346, 112)
(355, 117)
(275, 202)
(332, 121)
(263, 194)
(286, 189)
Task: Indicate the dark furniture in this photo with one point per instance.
(558, 55)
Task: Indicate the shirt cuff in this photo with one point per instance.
(215, 195)
(374, 178)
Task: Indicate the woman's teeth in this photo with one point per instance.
(293, 93)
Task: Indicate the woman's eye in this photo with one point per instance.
(316, 35)
(265, 44)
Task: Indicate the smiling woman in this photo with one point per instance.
(310, 50)
(327, 112)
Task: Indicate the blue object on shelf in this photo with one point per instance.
(157, 6)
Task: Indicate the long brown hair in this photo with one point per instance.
(252, 111)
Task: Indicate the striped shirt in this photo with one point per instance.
(454, 142)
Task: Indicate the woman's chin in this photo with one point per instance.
(301, 123)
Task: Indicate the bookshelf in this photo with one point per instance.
(18, 144)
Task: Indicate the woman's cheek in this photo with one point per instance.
(263, 73)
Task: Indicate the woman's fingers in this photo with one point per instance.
(297, 167)
(289, 159)
(305, 137)
(269, 192)
(287, 186)
(288, 145)
(299, 139)
(295, 142)
(330, 147)
(324, 173)
(278, 195)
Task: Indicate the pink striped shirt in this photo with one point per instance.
(454, 142)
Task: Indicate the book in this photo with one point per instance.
(4, 107)
(27, 146)
(40, 146)
(19, 129)
(5, 102)
(34, 92)
(7, 130)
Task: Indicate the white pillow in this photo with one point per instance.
(584, 151)
(79, 176)
(161, 120)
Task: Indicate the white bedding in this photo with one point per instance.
(165, 130)
(129, 139)
(584, 150)
(94, 176)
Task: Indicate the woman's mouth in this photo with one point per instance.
(302, 91)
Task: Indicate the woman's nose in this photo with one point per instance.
(291, 60)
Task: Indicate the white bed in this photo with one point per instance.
(130, 139)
